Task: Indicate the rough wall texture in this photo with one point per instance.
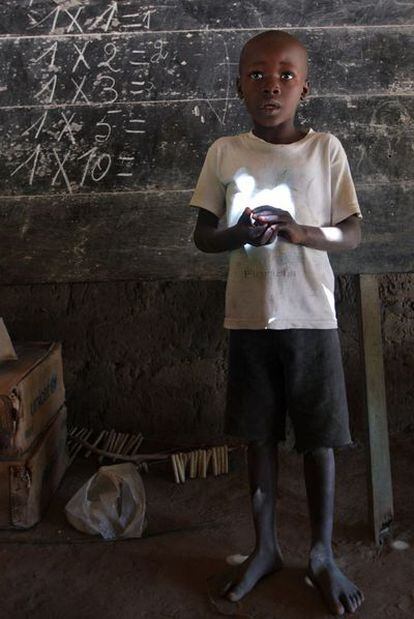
(152, 355)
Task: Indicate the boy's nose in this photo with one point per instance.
(271, 86)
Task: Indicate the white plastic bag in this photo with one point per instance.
(111, 503)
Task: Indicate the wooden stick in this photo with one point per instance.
(138, 445)
(130, 441)
(122, 458)
(175, 468)
(123, 443)
(133, 440)
(103, 453)
(209, 455)
(79, 433)
(116, 447)
(221, 460)
(125, 446)
(200, 463)
(180, 467)
(177, 464)
(196, 458)
(107, 442)
(96, 443)
(188, 462)
(117, 441)
(198, 470)
(113, 441)
(85, 435)
(214, 450)
(108, 437)
(204, 464)
(191, 469)
(195, 463)
(182, 463)
(82, 433)
(71, 448)
(227, 459)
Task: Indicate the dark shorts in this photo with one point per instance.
(294, 371)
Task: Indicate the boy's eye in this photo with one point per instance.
(289, 75)
(256, 75)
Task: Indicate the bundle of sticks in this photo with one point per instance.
(120, 447)
(115, 445)
(198, 461)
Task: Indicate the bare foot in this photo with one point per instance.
(339, 593)
(258, 565)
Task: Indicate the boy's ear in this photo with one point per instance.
(239, 88)
(305, 90)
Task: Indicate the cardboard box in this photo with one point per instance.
(31, 391)
(28, 484)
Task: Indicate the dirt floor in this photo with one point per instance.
(53, 571)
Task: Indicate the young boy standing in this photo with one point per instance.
(289, 198)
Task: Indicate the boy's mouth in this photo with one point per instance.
(270, 105)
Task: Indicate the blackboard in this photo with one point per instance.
(107, 109)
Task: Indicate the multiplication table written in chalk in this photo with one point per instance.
(83, 89)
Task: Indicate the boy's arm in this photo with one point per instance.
(345, 235)
(209, 239)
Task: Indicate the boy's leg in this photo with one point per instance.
(266, 557)
(339, 593)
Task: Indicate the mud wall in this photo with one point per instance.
(152, 356)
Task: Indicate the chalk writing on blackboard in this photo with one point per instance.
(70, 152)
(95, 84)
(78, 20)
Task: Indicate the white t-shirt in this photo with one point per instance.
(282, 285)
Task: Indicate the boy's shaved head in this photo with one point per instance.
(275, 35)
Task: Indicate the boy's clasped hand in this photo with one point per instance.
(262, 225)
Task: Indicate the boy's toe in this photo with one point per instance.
(354, 602)
(225, 588)
(348, 603)
(359, 598)
(336, 607)
(235, 594)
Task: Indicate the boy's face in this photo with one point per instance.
(273, 79)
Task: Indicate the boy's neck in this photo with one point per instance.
(282, 134)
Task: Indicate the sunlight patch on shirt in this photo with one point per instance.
(248, 196)
(330, 296)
